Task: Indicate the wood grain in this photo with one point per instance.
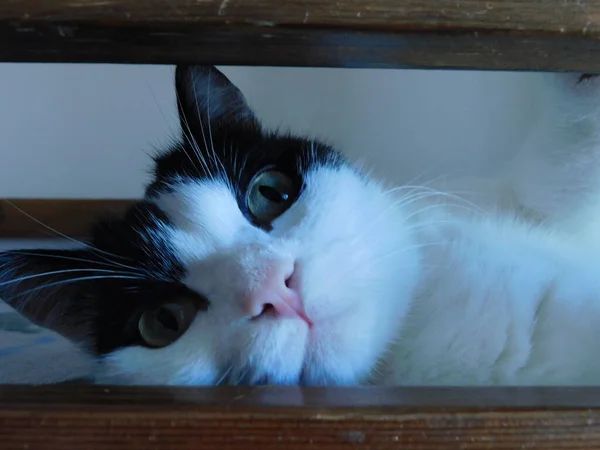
(484, 34)
(96, 417)
(21, 218)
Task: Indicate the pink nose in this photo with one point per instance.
(275, 296)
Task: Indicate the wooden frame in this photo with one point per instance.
(86, 417)
(468, 34)
(71, 217)
(551, 35)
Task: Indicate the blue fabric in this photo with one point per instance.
(8, 351)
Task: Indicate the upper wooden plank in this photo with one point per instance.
(485, 34)
(560, 16)
(30, 218)
(253, 418)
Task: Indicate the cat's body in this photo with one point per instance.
(500, 302)
(262, 259)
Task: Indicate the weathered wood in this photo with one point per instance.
(96, 417)
(485, 34)
(37, 218)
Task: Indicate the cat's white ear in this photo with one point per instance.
(207, 99)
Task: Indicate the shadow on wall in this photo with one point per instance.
(88, 130)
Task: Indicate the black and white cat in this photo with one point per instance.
(258, 258)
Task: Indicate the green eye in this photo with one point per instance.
(163, 325)
(270, 193)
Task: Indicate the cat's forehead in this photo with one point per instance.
(236, 155)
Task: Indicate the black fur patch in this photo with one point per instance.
(241, 153)
(101, 313)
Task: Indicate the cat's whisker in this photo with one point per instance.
(404, 202)
(432, 207)
(70, 258)
(196, 151)
(414, 180)
(158, 107)
(73, 280)
(101, 253)
(461, 200)
(199, 117)
(234, 162)
(226, 178)
(189, 137)
(421, 186)
(206, 142)
(237, 172)
(434, 192)
(56, 232)
(241, 168)
(448, 175)
(210, 137)
(223, 377)
(242, 375)
(426, 188)
(61, 272)
(215, 155)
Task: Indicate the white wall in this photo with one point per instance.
(87, 130)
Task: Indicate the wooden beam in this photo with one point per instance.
(96, 417)
(36, 218)
(473, 34)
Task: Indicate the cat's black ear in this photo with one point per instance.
(53, 288)
(208, 100)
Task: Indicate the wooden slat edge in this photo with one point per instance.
(474, 34)
(23, 218)
(97, 417)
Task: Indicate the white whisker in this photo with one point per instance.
(60, 272)
(64, 236)
(189, 137)
(431, 207)
(74, 280)
(434, 192)
(200, 122)
(70, 258)
(212, 144)
(224, 376)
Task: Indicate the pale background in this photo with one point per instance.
(87, 130)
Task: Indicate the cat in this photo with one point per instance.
(263, 258)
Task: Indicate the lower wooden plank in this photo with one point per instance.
(33, 218)
(97, 417)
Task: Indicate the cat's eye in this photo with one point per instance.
(163, 325)
(270, 194)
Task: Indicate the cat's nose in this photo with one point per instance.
(275, 296)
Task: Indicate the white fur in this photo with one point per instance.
(406, 286)
(503, 303)
(344, 235)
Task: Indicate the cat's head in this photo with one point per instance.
(254, 258)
